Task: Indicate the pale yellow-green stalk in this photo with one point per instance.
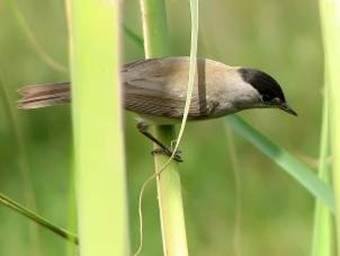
(330, 23)
(323, 236)
(97, 127)
(168, 182)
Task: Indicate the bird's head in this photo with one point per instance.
(270, 94)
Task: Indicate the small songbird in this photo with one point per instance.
(156, 90)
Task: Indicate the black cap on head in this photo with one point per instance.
(267, 86)
(263, 83)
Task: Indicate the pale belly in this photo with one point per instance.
(155, 120)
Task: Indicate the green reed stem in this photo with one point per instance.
(97, 126)
(322, 237)
(330, 24)
(168, 182)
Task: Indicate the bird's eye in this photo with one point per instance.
(276, 100)
(266, 98)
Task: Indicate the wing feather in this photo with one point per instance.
(157, 87)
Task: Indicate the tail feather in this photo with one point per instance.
(44, 95)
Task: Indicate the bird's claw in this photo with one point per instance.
(168, 152)
(173, 145)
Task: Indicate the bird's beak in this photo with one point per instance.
(285, 107)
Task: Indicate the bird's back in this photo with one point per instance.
(155, 88)
(158, 87)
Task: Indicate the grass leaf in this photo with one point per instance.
(6, 201)
(295, 168)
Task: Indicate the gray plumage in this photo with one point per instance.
(156, 90)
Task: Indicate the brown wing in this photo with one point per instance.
(157, 87)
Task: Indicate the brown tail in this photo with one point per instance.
(44, 95)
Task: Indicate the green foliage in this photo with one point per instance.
(281, 37)
(298, 170)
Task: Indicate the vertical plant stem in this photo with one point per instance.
(237, 247)
(168, 182)
(98, 130)
(71, 249)
(330, 20)
(322, 237)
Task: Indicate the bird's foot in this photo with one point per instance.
(173, 145)
(165, 151)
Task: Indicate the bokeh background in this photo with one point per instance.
(273, 214)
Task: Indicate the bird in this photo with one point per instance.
(156, 88)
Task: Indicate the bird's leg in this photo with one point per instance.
(143, 128)
(173, 145)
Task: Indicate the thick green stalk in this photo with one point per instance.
(322, 236)
(98, 130)
(168, 182)
(330, 20)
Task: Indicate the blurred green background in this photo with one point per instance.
(276, 213)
